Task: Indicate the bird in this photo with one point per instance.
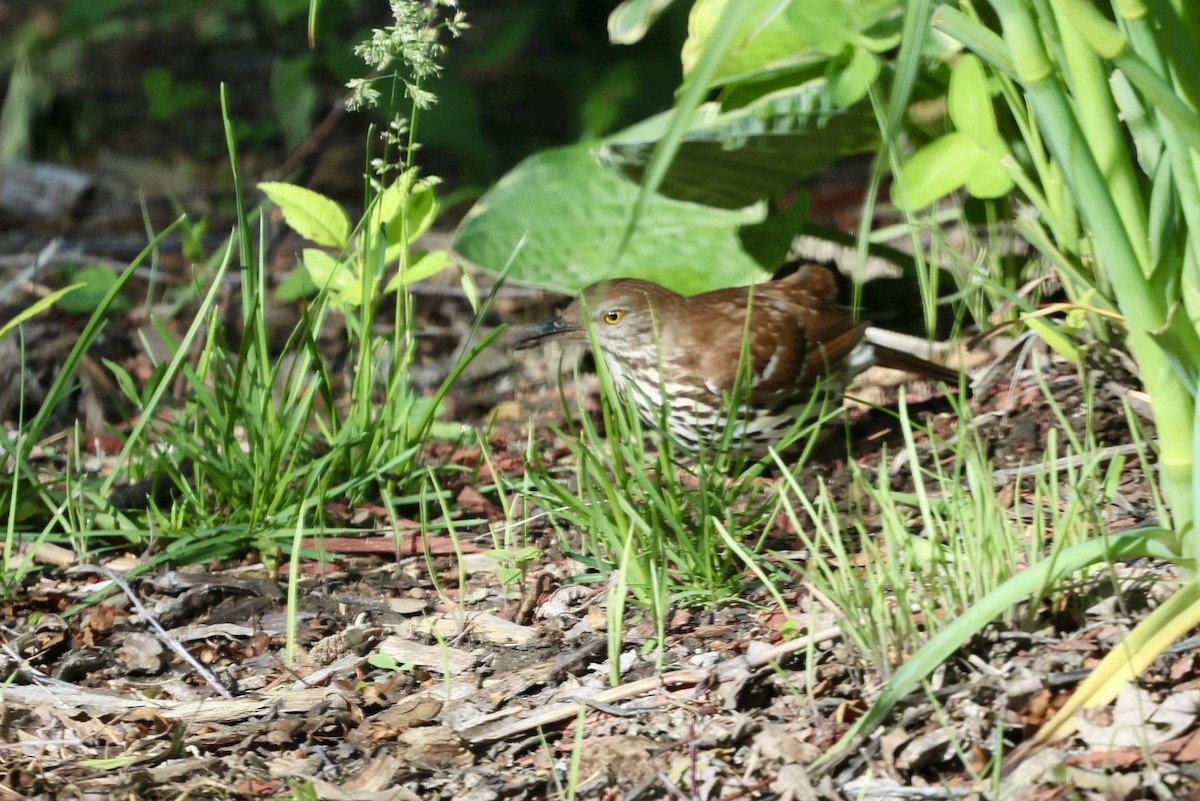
(680, 357)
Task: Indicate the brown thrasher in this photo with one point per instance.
(685, 353)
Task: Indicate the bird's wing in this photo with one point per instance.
(792, 344)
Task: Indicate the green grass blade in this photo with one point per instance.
(1142, 542)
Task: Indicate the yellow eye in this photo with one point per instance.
(615, 316)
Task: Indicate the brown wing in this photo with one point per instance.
(797, 332)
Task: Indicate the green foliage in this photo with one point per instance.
(841, 36)
(559, 217)
(730, 158)
(791, 102)
(91, 286)
(1080, 86)
(168, 96)
(262, 438)
(23, 491)
(969, 157)
(401, 214)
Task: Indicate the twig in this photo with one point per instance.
(1104, 454)
(170, 642)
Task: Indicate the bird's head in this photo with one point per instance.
(623, 314)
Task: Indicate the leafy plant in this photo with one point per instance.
(1093, 83)
(21, 485)
(780, 117)
(403, 212)
(1041, 113)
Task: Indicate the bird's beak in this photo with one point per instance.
(536, 334)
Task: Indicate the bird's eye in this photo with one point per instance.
(614, 316)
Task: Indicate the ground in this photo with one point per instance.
(417, 673)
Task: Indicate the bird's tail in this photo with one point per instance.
(899, 360)
(902, 353)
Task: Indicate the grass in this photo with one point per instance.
(664, 529)
(255, 443)
(897, 565)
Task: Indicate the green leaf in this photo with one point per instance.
(629, 21)
(970, 102)
(971, 156)
(780, 35)
(383, 662)
(297, 284)
(339, 278)
(310, 214)
(36, 308)
(734, 158)
(941, 167)
(767, 38)
(988, 178)
(420, 267)
(91, 284)
(850, 83)
(559, 216)
(1052, 336)
(124, 381)
(971, 111)
(408, 212)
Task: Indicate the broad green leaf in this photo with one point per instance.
(850, 82)
(559, 217)
(732, 159)
(767, 38)
(91, 285)
(971, 111)
(337, 277)
(939, 168)
(310, 214)
(970, 102)
(777, 35)
(422, 210)
(422, 266)
(408, 210)
(391, 201)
